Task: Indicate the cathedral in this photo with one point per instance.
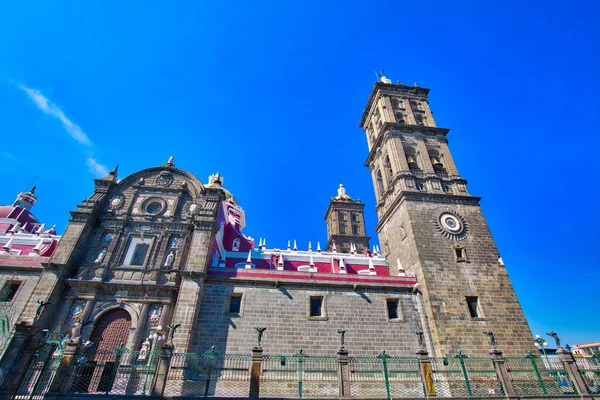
(161, 257)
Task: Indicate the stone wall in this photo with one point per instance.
(446, 283)
(284, 311)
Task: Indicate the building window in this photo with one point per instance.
(473, 304)
(355, 230)
(235, 303)
(316, 306)
(137, 252)
(393, 309)
(460, 254)
(9, 290)
(354, 217)
(342, 228)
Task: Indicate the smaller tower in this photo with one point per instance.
(26, 200)
(346, 223)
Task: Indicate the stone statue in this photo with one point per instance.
(260, 333)
(419, 334)
(492, 338)
(100, 256)
(144, 350)
(556, 338)
(342, 334)
(172, 330)
(169, 260)
(40, 308)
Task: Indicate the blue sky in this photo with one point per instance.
(270, 94)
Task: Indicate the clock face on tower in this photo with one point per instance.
(450, 224)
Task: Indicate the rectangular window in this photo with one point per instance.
(355, 230)
(235, 303)
(392, 307)
(9, 290)
(473, 304)
(342, 228)
(316, 306)
(139, 254)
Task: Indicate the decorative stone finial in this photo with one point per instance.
(342, 266)
(288, 245)
(8, 246)
(249, 260)
(295, 246)
(40, 229)
(318, 247)
(383, 79)
(170, 161)
(333, 248)
(400, 269)
(312, 262)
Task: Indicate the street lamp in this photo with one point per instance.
(542, 344)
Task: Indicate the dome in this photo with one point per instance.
(18, 213)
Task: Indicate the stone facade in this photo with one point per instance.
(160, 248)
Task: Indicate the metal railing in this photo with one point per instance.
(209, 374)
(300, 375)
(118, 371)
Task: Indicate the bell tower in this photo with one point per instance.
(433, 227)
(346, 224)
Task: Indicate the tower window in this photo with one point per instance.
(460, 254)
(400, 118)
(9, 290)
(379, 181)
(419, 119)
(473, 305)
(411, 157)
(355, 229)
(393, 309)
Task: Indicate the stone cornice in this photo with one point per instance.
(392, 129)
(426, 197)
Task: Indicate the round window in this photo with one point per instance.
(154, 207)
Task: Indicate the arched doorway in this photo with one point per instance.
(98, 372)
(111, 329)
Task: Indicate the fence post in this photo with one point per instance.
(64, 368)
(164, 363)
(426, 374)
(255, 372)
(344, 373)
(570, 366)
(502, 372)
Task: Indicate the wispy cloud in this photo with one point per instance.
(96, 168)
(9, 156)
(74, 130)
(50, 108)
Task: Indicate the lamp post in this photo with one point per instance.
(542, 344)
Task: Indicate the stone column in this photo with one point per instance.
(344, 373)
(571, 367)
(449, 161)
(424, 155)
(137, 335)
(162, 372)
(85, 314)
(255, 372)
(426, 375)
(502, 372)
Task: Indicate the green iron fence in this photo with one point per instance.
(209, 374)
(385, 377)
(590, 371)
(300, 376)
(39, 374)
(118, 371)
(482, 377)
(532, 376)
